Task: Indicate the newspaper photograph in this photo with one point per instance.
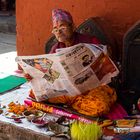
(70, 71)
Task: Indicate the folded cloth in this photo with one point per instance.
(116, 112)
(11, 82)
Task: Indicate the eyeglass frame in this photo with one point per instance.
(62, 28)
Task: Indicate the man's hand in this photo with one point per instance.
(28, 77)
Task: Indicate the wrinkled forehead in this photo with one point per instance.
(60, 23)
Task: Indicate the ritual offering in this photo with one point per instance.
(39, 122)
(126, 123)
(16, 108)
(17, 120)
(57, 128)
(50, 109)
(1, 111)
(32, 114)
(97, 102)
(106, 123)
(83, 131)
(11, 115)
(51, 117)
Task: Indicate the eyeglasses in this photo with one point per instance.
(61, 29)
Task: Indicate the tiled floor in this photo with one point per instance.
(7, 24)
(7, 54)
(7, 43)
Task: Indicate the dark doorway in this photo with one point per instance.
(7, 16)
(7, 7)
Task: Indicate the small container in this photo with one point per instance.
(29, 115)
(17, 120)
(38, 122)
(121, 130)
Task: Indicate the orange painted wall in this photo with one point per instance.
(34, 18)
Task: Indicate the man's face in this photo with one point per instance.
(63, 31)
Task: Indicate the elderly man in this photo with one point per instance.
(63, 29)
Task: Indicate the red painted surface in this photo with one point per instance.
(34, 18)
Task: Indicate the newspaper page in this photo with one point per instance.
(87, 66)
(70, 71)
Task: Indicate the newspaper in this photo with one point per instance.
(70, 71)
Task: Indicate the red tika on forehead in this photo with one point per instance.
(59, 14)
